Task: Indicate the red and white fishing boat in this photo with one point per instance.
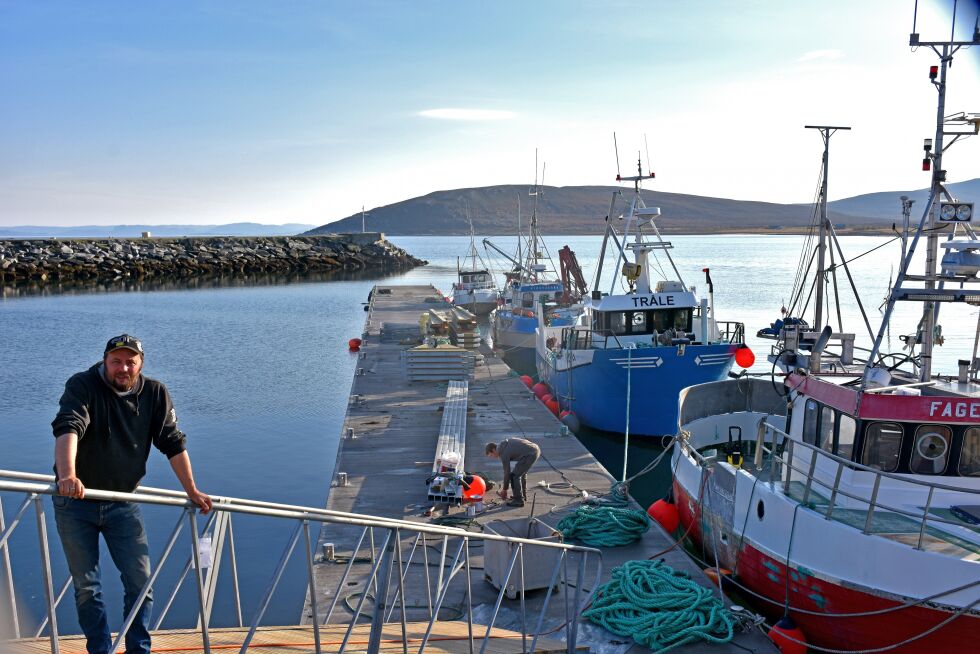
(848, 497)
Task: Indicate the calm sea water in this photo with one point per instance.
(260, 374)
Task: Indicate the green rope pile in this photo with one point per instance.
(604, 526)
(659, 607)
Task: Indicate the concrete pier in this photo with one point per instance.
(387, 446)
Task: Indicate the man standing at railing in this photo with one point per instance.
(523, 454)
(108, 417)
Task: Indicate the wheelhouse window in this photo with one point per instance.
(616, 322)
(527, 300)
(682, 320)
(639, 322)
(970, 453)
(826, 429)
(930, 451)
(846, 429)
(882, 446)
(810, 418)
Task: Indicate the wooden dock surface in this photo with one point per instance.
(395, 426)
(446, 638)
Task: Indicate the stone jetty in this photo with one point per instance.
(100, 260)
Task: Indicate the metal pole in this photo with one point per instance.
(360, 602)
(310, 571)
(267, 598)
(10, 578)
(195, 545)
(403, 573)
(381, 595)
(428, 580)
(42, 532)
(500, 599)
(547, 598)
(579, 579)
(401, 588)
(469, 596)
(343, 579)
(13, 523)
(520, 549)
(234, 572)
(57, 603)
(180, 581)
(440, 598)
(131, 617)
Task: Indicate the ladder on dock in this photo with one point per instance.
(445, 484)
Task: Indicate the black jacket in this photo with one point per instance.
(115, 432)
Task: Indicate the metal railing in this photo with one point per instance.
(387, 561)
(784, 461)
(731, 331)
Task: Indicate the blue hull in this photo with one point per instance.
(514, 337)
(596, 390)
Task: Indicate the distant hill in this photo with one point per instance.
(134, 231)
(582, 210)
(887, 205)
(569, 210)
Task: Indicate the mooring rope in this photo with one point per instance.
(659, 607)
(604, 526)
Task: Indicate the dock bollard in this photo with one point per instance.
(350, 433)
(342, 479)
(328, 552)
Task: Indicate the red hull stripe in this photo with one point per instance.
(875, 406)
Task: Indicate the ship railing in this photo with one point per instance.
(586, 338)
(401, 561)
(730, 331)
(823, 472)
(742, 395)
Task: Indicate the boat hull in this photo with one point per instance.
(770, 578)
(593, 383)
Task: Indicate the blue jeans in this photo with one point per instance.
(121, 524)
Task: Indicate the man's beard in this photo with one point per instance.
(123, 387)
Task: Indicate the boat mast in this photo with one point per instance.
(826, 131)
(930, 222)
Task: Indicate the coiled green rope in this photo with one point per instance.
(659, 607)
(604, 526)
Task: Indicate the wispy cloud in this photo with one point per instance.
(821, 55)
(467, 114)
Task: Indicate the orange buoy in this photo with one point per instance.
(540, 389)
(665, 514)
(354, 344)
(744, 356)
(527, 380)
(712, 574)
(788, 637)
(552, 405)
(476, 490)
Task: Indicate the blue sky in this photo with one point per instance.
(293, 111)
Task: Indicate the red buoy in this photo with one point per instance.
(665, 514)
(552, 405)
(712, 574)
(788, 637)
(527, 381)
(547, 397)
(563, 414)
(744, 356)
(476, 490)
(540, 389)
(354, 344)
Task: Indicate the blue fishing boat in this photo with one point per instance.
(621, 366)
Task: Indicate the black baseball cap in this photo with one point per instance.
(124, 341)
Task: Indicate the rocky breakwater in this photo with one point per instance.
(97, 260)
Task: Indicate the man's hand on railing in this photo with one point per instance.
(72, 487)
(201, 500)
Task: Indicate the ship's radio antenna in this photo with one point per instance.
(647, 146)
(616, 148)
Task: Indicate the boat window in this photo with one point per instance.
(882, 446)
(639, 322)
(810, 422)
(846, 428)
(970, 453)
(930, 452)
(826, 429)
(682, 320)
(659, 320)
(616, 322)
(527, 300)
